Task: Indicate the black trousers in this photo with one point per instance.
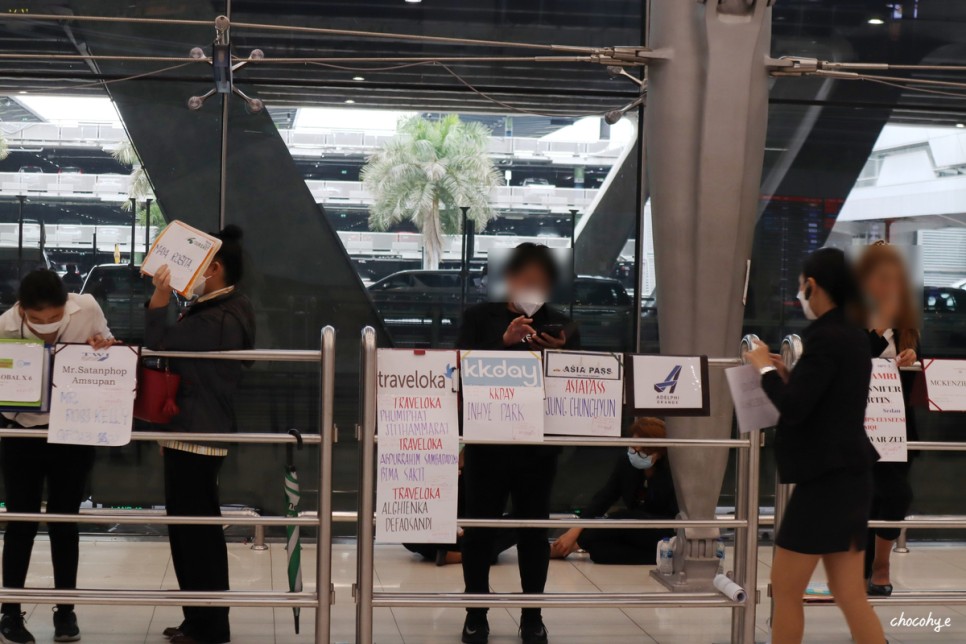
(198, 552)
(27, 463)
(494, 474)
(891, 498)
(628, 547)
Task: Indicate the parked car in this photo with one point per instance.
(31, 169)
(423, 307)
(121, 291)
(69, 169)
(944, 322)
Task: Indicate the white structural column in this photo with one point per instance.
(705, 130)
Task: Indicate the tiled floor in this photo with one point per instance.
(119, 563)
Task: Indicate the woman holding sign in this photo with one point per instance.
(821, 446)
(221, 319)
(522, 474)
(893, 333)
(45, 311)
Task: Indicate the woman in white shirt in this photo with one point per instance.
(45, 311)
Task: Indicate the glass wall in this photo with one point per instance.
(846, 163)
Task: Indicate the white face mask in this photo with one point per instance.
(199, 288)
(806, 307)
(529, 302)
(47, 329)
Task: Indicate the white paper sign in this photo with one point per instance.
(945, 384)
(418, 455)
(502, 396)
(185, 250)
(669, 385)
(752, 406)
(584, 392)
(92, 399)
(21, 372)
(885, 413)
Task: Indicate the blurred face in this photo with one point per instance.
(884, 289)
(529, 279)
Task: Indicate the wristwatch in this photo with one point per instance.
(767, 369)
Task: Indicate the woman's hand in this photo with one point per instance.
(518, 331)
(547, 341)
(566, 544)
(759, 357)
(907, 358)
(162, 288)
(98, 342)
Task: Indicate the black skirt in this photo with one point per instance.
(828, 514)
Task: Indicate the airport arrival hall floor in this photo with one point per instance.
(108, 562)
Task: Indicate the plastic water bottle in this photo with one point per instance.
(665, 562)
(719, 552)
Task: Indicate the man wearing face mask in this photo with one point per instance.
(641, 481)
(522, 474)
(45, 311)
(220, 318)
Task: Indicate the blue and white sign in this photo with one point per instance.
(669, 385)
(502, 396)
(584, 393)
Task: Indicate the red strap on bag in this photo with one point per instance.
(157, 396)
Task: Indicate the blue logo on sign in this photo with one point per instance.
(670, 383)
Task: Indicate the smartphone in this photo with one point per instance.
(552, 329)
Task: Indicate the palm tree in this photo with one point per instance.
(140, 184)
(4, 151)
(426, 173)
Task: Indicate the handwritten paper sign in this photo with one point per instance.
(885, 413)
(752, 406)
(945, 384)
(669, 385)
(92, 399)
(418, 455)
(23, 364)
(186, 251)
(502, 396)
(584, 392)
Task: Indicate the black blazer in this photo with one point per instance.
(484, 324)
(822, 407)
(654, 496)
(878, 344)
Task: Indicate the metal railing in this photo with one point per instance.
(743, 616)
(323, 596)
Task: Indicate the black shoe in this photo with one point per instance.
(172, 632)
(532, 631)
(476, 630)
(13, 630)
(65, 626)
(879, 590)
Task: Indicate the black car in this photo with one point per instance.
(422, 308)
(121, 291)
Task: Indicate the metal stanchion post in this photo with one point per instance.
(323, 584)
(365, 526)
(741, 541)
(749, 578)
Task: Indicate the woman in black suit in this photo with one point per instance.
(893, 333)
(821, 446)
(523, 474)
(641, 480)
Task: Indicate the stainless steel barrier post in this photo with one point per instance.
(746, 539)
(323, 579)
(367, 480)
